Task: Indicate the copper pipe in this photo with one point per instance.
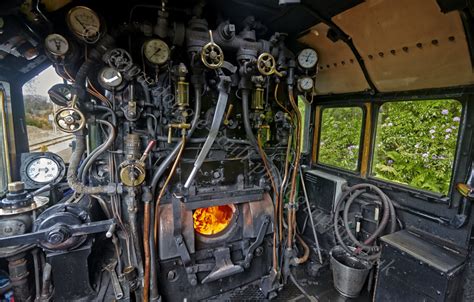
(146, 247)
(282, 188)
(305, 256)
(264, 158)
(291, 210)
(163, 189)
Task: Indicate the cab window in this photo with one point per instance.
(39, 112)
(341, 130)
(415, 143)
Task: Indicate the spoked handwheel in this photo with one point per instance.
(212, 55)
(69, 120)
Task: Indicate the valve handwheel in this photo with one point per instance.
(212, 55)
(69, 119)
(266, 64)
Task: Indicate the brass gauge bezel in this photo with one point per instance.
(82, 33)
(151, 54)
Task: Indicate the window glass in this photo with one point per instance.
(4, 100)
(341, 130)
(416, 143)
(39, 112)
(305, 109)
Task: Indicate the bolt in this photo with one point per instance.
(193, 281)
(179, 240)
(58, 235)
(189, 270)
(171, 275)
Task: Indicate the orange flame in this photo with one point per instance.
(212, 220)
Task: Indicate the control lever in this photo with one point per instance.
(223, 88)
(58, 231)
(258, 242)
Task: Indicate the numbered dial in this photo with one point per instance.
(43, 170)
(305, 84)
(56, 45)
(307, 58)
(110, 77)
(84, 23)
(156, 51)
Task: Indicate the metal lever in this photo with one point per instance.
(67, 231)
(114, 280)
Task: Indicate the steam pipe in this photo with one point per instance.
(167, 161)
(99, 150)
(72, 178)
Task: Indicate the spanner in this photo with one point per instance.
(115, 280)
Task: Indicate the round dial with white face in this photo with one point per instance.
(43, 170)
(56, 44)
(305, 83)
(110, 77)
(156, 51)
(307, 58)
(83, 22)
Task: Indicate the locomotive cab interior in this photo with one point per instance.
(239, 150)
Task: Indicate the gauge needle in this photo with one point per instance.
(157, 51)
(82, 24)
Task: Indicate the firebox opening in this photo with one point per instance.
(213, 220)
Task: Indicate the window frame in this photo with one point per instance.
(361, 139)
(464, 145)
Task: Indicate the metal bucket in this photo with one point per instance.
(348, 272)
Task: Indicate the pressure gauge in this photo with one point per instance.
(60, 94)
(39, 169)
(156, 51)
(56, 45)
(84, 23)
(308, 58)
(110, 78)
(305, 84)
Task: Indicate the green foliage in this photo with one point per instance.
(340, 137)
(416, 143)
(37, 110)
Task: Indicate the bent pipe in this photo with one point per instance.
(169, 159)
(99, 150)
(216, 123)
(72, 178)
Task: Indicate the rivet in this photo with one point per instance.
(371, 57)
(321, 67)
(434, 42)
(328, 66)
(405, 49)
(343, 63)
(451, 38)
(419, 45)
(393, 51)
(352, 61)
(381, 54)
(335, 64)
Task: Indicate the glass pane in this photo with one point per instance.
(416, 143)
(341, 129)
(39, 112)
(4, 99)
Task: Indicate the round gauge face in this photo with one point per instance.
(308, 58)
(156, 51)
(56, 44)
(43, 170)
(306, 83)
(83, 22)
(110, 77)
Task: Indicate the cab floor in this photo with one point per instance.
(319, 286)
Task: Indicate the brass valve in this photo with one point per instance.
(132, 172)
(70, 119)
(212, 55)
(182, 126)
(227, 115)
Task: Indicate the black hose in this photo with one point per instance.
(370, 252)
